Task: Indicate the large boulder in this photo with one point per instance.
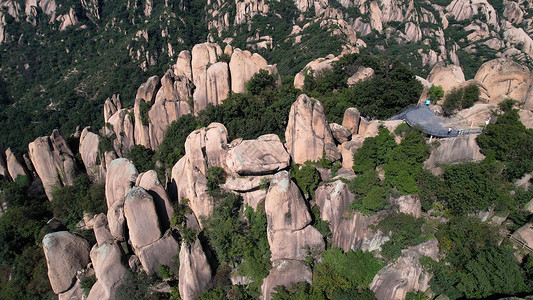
(66, 254)
(15, 166)
(141, 216)
(340, 133)
(264, 155)
(506, 77)
(150, 183)
(53, 160)
(243, 65)
(110, 268)
(524, 235)
(406, 274)
(351, 120)
(408, 204)
(120, 178)
(526, 117)
(347, 150)
(101, 229)
(308, 135)
(288, 230)
(361, 74)
(158, 253)
(194, 272)
(285, 273)
(446, 76)
(315, 67)
(91, 157)
(454, 150)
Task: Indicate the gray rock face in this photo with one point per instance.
(150, 183)
(288, 220)
(308, 134)
(66, 254)
(257, 157)
(285, 273)
(143, 224)
(53, 161)
(406, 274)
(160, 252)
(194, 273)
(454, 150)
(121, 176)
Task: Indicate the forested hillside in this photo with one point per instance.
(262, 149)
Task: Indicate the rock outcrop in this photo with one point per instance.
(189, 175)
(315, 68)
(285, 273)
(406, 274)
(53, 161)
(506, 77)
(288, 220)
(454, 150)
(243, 65)
(409, 204)
(264, 155)
(66, 254)
(351, 120)
(120, 178)
(110, 269)
(308, 135)
(159, 253)
(195, 272)
(446, 76)
(121, 131)
(145, 93)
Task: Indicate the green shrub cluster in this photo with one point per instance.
(460, 99)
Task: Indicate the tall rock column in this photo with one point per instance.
(308, 134)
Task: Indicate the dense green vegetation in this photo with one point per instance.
(509, 141)
(462, 98)
(392, 88)
(23, 271)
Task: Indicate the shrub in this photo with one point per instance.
(215, 177)
(460, 98)
(259, 82)
(306, 177)
(436, 92)
(142, 158)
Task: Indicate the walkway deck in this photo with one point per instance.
(423, 118)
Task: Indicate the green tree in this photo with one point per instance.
(259, 82)
(374, 152)
(436, 92)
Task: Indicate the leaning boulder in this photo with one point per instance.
(243, 65)
(141, 216)
(150, 183)
(308, 135)
(264, 155)
(66, 254)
